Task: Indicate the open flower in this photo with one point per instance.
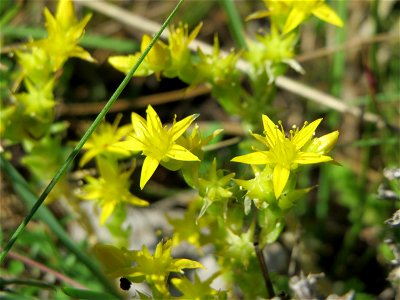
(110, 189)
(64, 32)
(289, 14)
(100, 143)
(138, 265)
(301, 10)
(155, 62)
(285, 154)
(157, 142)
(180, 53)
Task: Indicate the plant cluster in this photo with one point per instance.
(241, 205)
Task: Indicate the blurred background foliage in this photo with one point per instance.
(339, 229)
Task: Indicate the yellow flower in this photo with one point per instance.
(102, 139)
(178, 45)
(156, 60)
(139, 265)
(285, 154)
(157, 142)
(110, 189)
(64, 32)
(288, 14)
(301, 10)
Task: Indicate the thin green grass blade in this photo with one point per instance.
(8, 14)
(63, 169)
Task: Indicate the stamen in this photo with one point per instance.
(281, 126)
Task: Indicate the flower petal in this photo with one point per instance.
(305, 134)
(255, 158)
(136, 119)
(327, 14)
(182, 263)
(294, 19)
(154, 124)
(280, 177)
(131, 144)
(181, 153)
(136, 201)
(106, 211)
(180, 127)
(150, 164)
(324, 144)
(272, 133)
(307, 158)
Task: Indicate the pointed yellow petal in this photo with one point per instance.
(258, 15)
(280, 177)
(323, 144)
(307, 158)
(150, 164)
(51, 23)
(195, 32)
(180, 127)
(65, 14)
(79, 52)
(305, 134)
(294, 19)
(106, 211)
(181, 153)
(154, 124)
(131, 144)
(327, 14)
(271, 131)
(183, 263)
(255, 158)
(137, 119)
(146, 39)
(136, 201)
(79, 28)
(123, 63)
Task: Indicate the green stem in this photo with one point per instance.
(63, 169)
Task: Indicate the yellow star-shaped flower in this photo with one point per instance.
(285, 154)
(301, 10)
(102, 140)
(64, 32)
(289, 14)
(110, 189)
(137, 265)
(157, 142)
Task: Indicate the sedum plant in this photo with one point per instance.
(236, 213)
